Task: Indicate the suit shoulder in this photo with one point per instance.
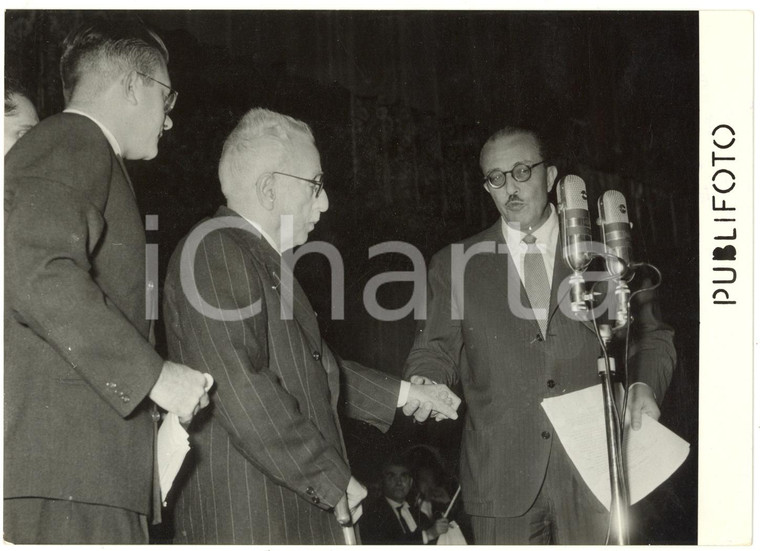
(65, 148)
(489, 235)
(220, 239)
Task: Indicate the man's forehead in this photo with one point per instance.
(514, 148)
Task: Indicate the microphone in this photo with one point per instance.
(575, 226)
(616, 231)
(616, 234)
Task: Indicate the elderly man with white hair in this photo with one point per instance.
(268, 461)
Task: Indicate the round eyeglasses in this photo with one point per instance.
(520, 172)
(318, 182)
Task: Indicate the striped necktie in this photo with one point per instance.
(536, 282)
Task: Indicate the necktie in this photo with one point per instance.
(536, 282)
(405, 517)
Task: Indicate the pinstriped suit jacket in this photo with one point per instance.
(507, 369)
(267, 459)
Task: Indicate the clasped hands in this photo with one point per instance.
(181, 390)
(429, 399)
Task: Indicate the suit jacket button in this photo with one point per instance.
(550, 383)
(545, 435)
(540, 337)
(125, 399)
(315, 500)
(310, 491)
(316, 355)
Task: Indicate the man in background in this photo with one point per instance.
(81, 375)
(518, 483)
(20, 114)
(391, 519)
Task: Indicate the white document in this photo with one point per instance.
(650, 454)
(171, 448)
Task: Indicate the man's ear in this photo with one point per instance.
(551, 177)
(129, 86)
(266, 190)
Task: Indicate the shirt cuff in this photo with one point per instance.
(403, 393)
(425, 538)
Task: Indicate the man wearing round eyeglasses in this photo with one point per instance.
(518, 484)
(82, 378)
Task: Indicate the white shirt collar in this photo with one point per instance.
(396, 504)
(109, 136)
(263, 233)
(545, 234)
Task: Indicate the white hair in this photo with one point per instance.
(260, 142)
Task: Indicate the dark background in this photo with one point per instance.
(400, 103)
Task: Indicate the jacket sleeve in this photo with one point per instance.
(369, 395)
(264, 421)
(652, 357)
(54, 223)
(438, 344)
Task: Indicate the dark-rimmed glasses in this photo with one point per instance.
(520, 172)
(318, 181)
(169, 100)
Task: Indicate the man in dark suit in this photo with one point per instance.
(81, 374)
(268, 461)
(517, 481)
(390, 519)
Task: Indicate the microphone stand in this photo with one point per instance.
(619, 521)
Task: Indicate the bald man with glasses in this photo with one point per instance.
(518, 484)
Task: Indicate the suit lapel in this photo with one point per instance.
(124, 171)
(293, 303)
(502, 270)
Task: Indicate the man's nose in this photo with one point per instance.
(511, 186)
(323, 203)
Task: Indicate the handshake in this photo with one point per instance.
(428, 399)
(184, 391)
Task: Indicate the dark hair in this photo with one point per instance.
(13, 87)
(396, 461)
(109, 47)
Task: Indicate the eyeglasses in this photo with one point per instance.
(318, 181)
(520, 172)
(169, 100)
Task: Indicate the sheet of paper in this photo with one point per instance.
(651, 454)
(171, 448)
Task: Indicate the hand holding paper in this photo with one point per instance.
(651, 454)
